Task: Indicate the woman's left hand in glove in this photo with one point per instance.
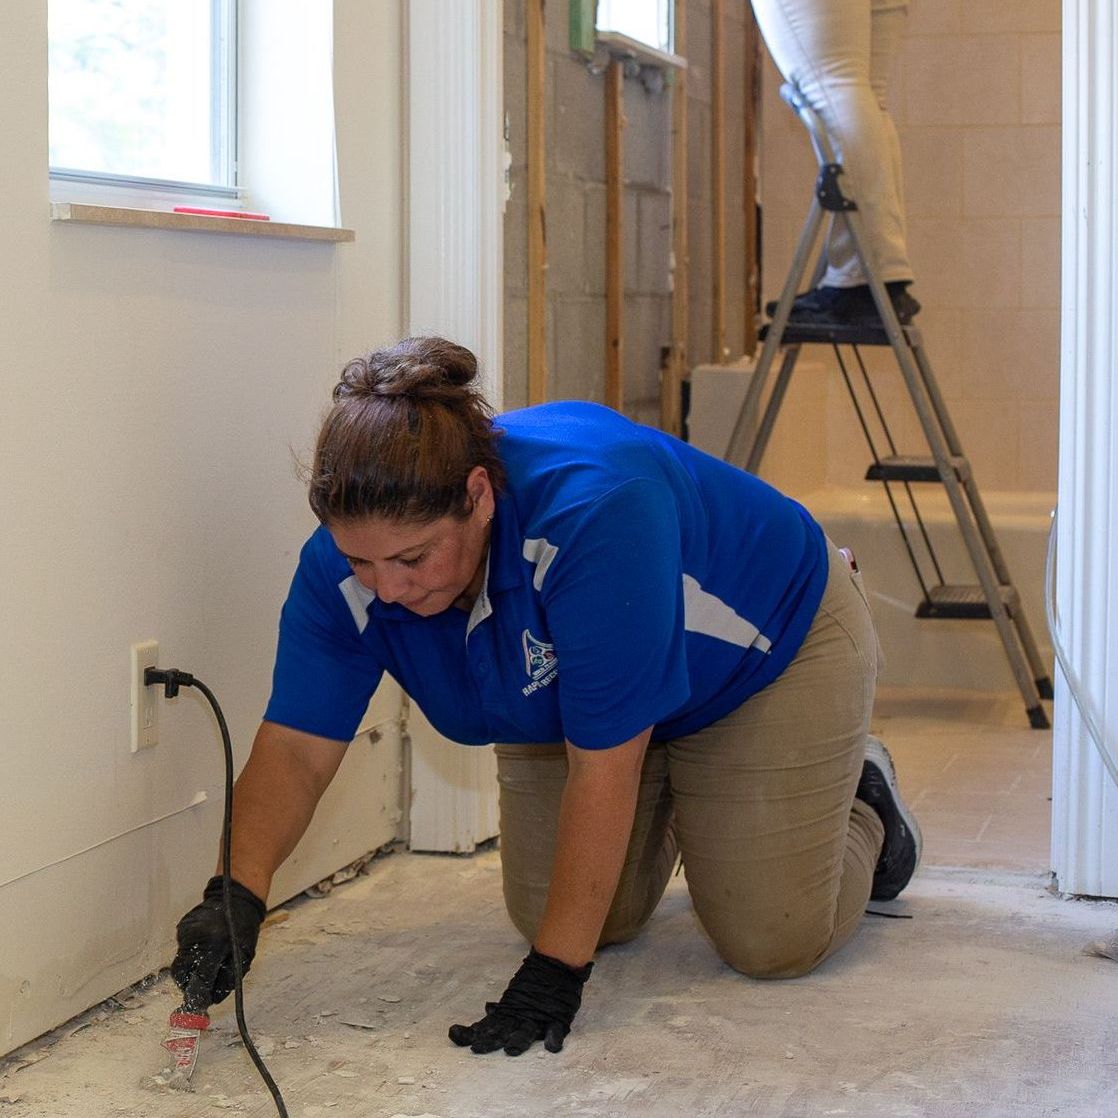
(539, 1004)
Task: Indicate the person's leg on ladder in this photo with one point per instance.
(887, 27)
(838, 52)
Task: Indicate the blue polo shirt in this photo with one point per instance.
(632, 581)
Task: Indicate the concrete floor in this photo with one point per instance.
(983, 1004)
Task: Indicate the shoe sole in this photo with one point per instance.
(878, 755)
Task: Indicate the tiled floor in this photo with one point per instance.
(977, 778)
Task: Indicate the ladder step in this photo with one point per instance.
(967, 603)
(906, 467)
(803, 333)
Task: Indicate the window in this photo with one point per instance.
(143, 94)
(647, 21)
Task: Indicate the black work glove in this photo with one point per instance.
(203, 967)
(539, 1004)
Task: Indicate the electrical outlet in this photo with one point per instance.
(145, 700)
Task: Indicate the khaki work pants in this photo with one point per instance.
(778, 854)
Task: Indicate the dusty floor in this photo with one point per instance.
(982, 1004)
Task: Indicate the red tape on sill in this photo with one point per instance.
(244, 214)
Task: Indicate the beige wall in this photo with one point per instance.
(977, 102)
(154, 385)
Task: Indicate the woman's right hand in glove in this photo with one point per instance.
(203, 967)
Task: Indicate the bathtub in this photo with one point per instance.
(966, 655)
(924, 653)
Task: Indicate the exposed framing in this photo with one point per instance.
(671, 383)
(615, 263)
(752, 85)
(718, 177)
(537, 203)
(610, 59)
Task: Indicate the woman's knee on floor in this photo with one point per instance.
(774, 963)
(775, 952)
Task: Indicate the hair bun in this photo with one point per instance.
(423, 368)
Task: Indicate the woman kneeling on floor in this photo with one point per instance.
(672, 658)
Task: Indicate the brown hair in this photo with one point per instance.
(404, 433)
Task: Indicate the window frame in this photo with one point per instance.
(77, 184)
(587, 41)
(664, 8)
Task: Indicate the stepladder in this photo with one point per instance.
(993, 596)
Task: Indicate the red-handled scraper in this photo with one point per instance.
(184, 1035)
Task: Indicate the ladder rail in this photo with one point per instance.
(980, 557)
(982, 518)
(743, 438)
(749, 439)
(764, 430)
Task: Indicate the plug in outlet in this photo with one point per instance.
(145, 700)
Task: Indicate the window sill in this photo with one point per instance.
(621, 46)
(84, 214)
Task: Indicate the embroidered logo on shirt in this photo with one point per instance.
(540, 662)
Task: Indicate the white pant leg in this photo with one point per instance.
(839, 53)
(887, 27)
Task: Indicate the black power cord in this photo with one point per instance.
(171, 680)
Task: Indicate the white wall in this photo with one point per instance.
(152, 387)
(1084, 797)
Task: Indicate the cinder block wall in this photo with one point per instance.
(576, 214)
(976, 98)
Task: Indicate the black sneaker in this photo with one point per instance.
(900, 853)
(849, 306)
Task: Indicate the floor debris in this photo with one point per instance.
(1103, 948)
(666, 1030)
(25, 1060)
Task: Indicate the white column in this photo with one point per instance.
(455, 186)
(1085, 801)
(455, 193)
